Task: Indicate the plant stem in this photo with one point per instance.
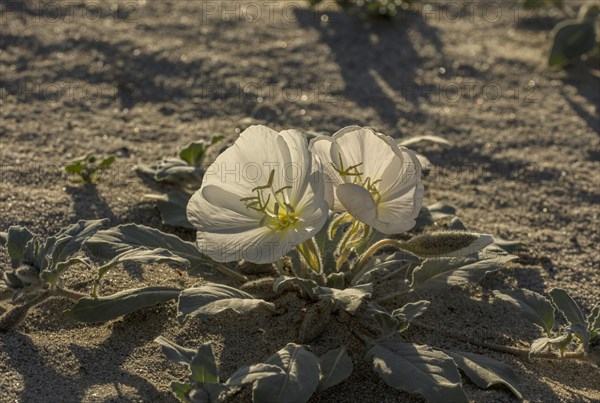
(518, 352)
(70, 294)
(220, 267)
(373, 249)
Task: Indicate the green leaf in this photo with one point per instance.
(173, 208)
(106, 162)
(92, 310)
(411, 311)
(298, 382)
(176, 171)
(308, 287)
(449, 243)
(336, 366)
(193, 153)
(253, 373)
(69, 240)
(204, 366)
(110, 243)
(348, 299)
(532, 306)
(74, 167)
(181, 390)
(568, 307)
(539, 345)
(418, 139)
(16, 241)
(436, 273)
(143, 255)
(213, 298)
(418, 369)
(398, 264)
(485, 371)
(386, 324)
(435, 212)
(176, 353)
(570, 40)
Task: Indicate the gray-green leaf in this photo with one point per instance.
(143, 255)
(411, 311)
(435, 273)
(16, 240)
(539, 345)
(570, 40)
(532, 306)
(307, 287)
(336, 366)
(213, 298)
(418, 369)
(172, 207)
(298, 382)
(174, 352)
(568, 307)
(348, 299)
(112, 242)
(485, 371)
(253, 373)
(204, 366)
(91, 310)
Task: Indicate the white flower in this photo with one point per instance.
(371, 177)
(260, 198)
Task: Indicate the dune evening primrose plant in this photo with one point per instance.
(372, 178)
(261, 198)
(312, 220)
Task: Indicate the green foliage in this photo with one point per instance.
(418, 369)
(573, 37)
(38, 264)
(336, 366)
(185, 170)
(435, 273)
(570, 40)
(214, 298)
(93, 310)
(180, 176)
(539, 311)
(485, 372)
(203, 382)
(89, 167)
(298, 381)
(532, 306)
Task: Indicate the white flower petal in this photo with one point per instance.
(321, 149)
(358, 201)
(402, 210)
(293, 148)
(204, 215)
(247, 163)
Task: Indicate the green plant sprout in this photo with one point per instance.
(89, 167)
(573, 37)
(179, 176)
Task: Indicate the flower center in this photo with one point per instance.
(352, 171)
(278, 213)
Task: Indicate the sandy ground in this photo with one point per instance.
(142, 80)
